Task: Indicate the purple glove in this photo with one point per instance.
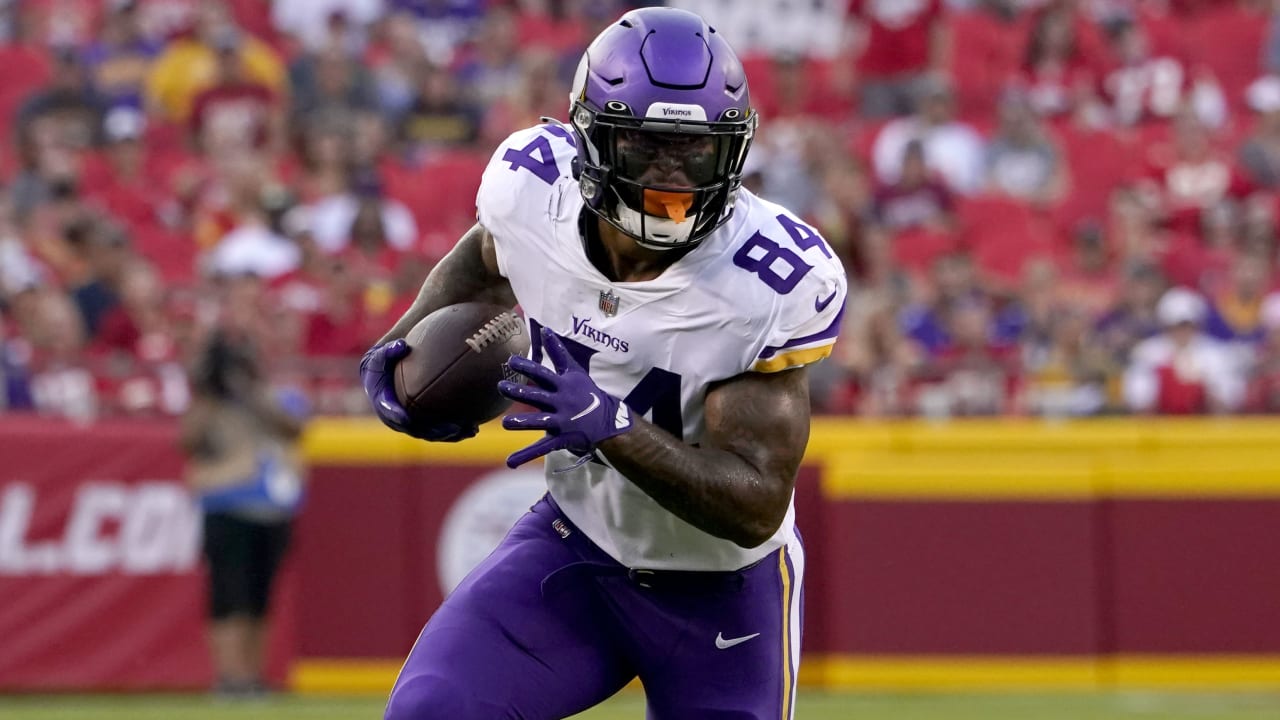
(377, 373)
(576, 414)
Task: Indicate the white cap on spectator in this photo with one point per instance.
(297, 221)
(124, 123)
(18, 270)
(1263, 94)
(1180, 305)
(1270, 314)
(253, 250)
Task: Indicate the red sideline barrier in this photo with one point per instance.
(101, 584)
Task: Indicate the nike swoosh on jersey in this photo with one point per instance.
(723, 644)
(821, 303)
(595, 403)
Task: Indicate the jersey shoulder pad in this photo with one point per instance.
(808, 281)
(523, 174)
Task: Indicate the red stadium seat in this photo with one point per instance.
(1002, 235)
(916, 249)
(1228, 40)
(984, 53)
(759, 70)
(441, 195)
(173, 254)
(1099, 162)
(26, 69)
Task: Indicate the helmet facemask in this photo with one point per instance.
(666, 183)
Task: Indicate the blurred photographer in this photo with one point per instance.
(244, 467)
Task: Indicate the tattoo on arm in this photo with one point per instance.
(737, 484)
(468, 273)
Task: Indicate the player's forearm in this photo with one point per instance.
(716, 491)
(464, 275)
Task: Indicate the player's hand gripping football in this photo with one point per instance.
(575, 413)
(377, 373)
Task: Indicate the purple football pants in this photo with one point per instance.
(549, 625)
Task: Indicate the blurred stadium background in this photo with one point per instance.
(1045, 480)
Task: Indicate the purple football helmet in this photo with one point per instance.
(664, 121)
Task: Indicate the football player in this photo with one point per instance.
(673, 314)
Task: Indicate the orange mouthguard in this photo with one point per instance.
(674, 205)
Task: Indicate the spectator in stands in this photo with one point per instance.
(320, 24)
(398, 64)
(917, 199)
(50, 178)
(1191, 175)
(122, 180)
(342, 323)
(1271, 43)
(136, 328)
(241, 435)
(1021, 161)
(1027, 317)
(1234, 312)
(12, 384)
(1181, 371)
(787, 161)
(1263, 393)
(904, 43)
(952, 148)
(59, 381)
(444, 26)
(102, 256)
(19, 268)
(1088, 279)
(1258, 225)
(538, 94)
(120, 58)
(301, 291)
(330, 81)
(877, 361)
(954, 281)
(973, 373)
(1133, 318)
(1068, 375)
(235, 111)
(437, 115)
(370, 140)
(493, 69)
(1148, 87)
(1260, 154)
(326, 155)
(844, 215)
(333, 217)
(189, 64)
(253, 245)
(1061, 80)
(69, 106)
(1203, 261)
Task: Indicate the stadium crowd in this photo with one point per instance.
(1058, 207)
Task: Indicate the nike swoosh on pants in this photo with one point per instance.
(723, 644)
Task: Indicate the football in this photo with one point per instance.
(457, 356)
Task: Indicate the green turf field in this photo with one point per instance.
(813, 706)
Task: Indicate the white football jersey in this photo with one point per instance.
(762, 293)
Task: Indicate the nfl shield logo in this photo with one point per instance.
(608, 303)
